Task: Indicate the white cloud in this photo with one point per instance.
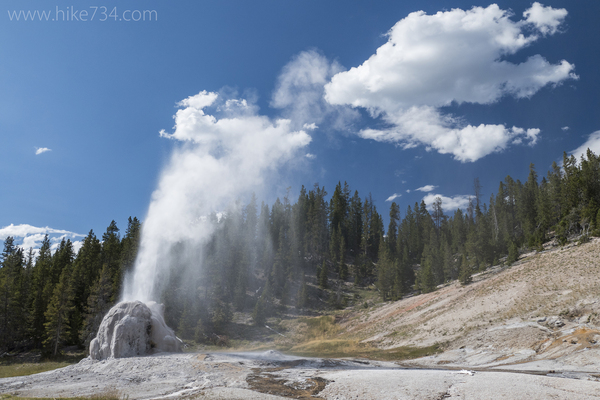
(426, 188)
(310, 156)
(23, 230)
(546, 19)
(593, 143)
(565, 128)
(453, 57)
(40, 150)
(448, 203)
(300, 88)
(32, 236)
(393, 197)
(407, 190)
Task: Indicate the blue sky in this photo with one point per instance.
(82, 102)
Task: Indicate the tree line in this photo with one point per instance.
(294, 256)
(50, 300)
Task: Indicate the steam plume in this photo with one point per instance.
(219, 160)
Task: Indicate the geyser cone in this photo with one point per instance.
(133, 328)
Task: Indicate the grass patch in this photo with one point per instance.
(319, 337)
(29, 363)
(10, 370)
(109, 395)
(319, 327)
(339, 348)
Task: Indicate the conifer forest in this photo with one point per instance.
(294, 256)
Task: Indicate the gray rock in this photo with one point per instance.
(559, 323)
(132, 329)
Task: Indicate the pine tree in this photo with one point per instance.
(129, 248)
(99, 302)
(449, 267)
(513, 253)
(111, 258)
(302, 298)
(38, 300)
(343, 268)
(262, 308)
(384, 272)
(86, 270)
(392, 233)
(188, 322)
(12, 294)
(355, 224)
(465, 272)
(323, 276)
(57, 314)
(426, 279)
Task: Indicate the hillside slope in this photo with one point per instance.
(544, 307)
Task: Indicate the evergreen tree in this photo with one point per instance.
(99, 302)
(426, 279)
(111, 257)
(302, 298)
(513, 253)
(465, 272)
(86, 270)
(384, 272)
(57, 314)
(392, 233)
(38, 295)
(438, 212)
(355, 224)
(12, 294)
(129, 247)
(262, 308)
(323, 276)
(343, 268)
(448, 265)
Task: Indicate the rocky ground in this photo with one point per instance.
(528, 331)
(272, 375)
(545, 307)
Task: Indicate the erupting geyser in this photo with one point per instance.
(221, 159)
(132, 328)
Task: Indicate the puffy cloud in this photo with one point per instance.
(426, 188)
(545, 19)
(453, 57)
(23, 230)
(393, 197)
(227, 152)
(32, 236)
(40, 150)
(448, 203)
(592, 143)
(310, 156)
(565, 128)
(300, 88)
